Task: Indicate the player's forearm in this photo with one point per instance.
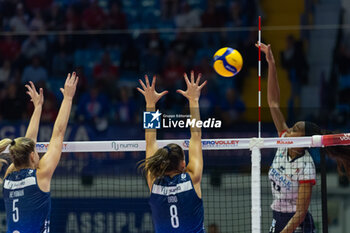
(61, 122)
(150, 134)
(294, 222)
(273, 89)
(195, 114)
(33, 127)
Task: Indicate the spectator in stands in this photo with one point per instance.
(5, 72)
(34, 46)
(105, 72)
(212, 17)
(72, 20)
(232, 106)
(169, 8)
(34, 5)
(343, 55)
(187, 18)
(55, 18)
(236, 18)
(34, 72)
(10, 48)
(50, 110)
(37, 23)
(173, 70)
(11, 106)
(153, 56)
(125, 108)
(130, 60)
(93, 106)
(61, 62)
(116, 17)
(83, 84)
(293, 60)
(213, 228)
(93, 17)
(19, 22)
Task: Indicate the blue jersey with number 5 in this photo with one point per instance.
(27, 207)
(176, 206)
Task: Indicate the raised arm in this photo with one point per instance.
(38, 100)
(303, 202)
(273, 91)
(195, 164)
(151, 97)
(33, 127)
(49, 161)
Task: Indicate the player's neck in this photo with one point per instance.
(24, 167)
(173, 173)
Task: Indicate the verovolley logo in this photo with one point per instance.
(151, 120)
(214, 143)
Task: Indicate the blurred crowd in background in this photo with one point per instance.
(112, 44)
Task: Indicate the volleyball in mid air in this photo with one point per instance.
(227, 62)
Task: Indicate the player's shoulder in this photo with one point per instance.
(307, 158)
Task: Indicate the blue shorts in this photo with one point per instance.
(280, 220)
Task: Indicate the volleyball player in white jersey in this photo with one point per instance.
(292, 173)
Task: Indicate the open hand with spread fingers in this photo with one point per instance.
(35, 97)
(193, 91)
(149, 92)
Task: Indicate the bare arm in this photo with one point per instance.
(33, 127)
(38, 100)
(195, 164)
(151, 97)
(303, 202)
(49, 161)
(273, 91)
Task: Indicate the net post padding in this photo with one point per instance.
(255, 144)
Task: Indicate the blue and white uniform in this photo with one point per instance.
(286, 175)
(27, 207)
(176, 206)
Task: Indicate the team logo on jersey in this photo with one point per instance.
(183, 176)
(151, 120)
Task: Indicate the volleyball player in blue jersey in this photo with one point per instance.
(26, 187)
(176, 198)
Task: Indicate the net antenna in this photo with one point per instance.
(256, 157)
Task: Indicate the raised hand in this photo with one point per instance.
(193, 91)
(267, 50)
(70, 86)
(35, 97)
(149, 92)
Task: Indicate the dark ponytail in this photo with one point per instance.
(165, 160)
(341, 154)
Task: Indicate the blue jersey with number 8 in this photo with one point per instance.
(27, 207)
(176, 206)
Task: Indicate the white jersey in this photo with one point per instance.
(285, 175)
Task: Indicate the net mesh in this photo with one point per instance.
(104, 192)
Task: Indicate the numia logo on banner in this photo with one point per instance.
(151, 120)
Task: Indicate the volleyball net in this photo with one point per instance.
(98, 188)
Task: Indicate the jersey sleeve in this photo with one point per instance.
(283, 133)
(307, 174)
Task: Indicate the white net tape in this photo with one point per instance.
(207, 144)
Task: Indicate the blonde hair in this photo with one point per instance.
(20, 150)
(3, 145)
